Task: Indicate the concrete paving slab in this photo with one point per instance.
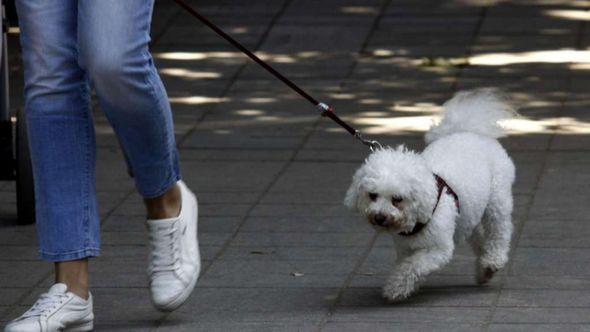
(303, 239)
(457, 297)
(229, 155)
(533, 281)
(277, 274)
(389, 326)
(281, 253)
(420, 315)
(555, 234)
(545, 298)
(221, 139)
(199, 35)
(241, 326)
(330, 66)
(285, 305)
(306, 225)
(551, 261)
(140, 238)
(8, 296)
(19, 253)
(499, 327)
(22, 273)
(570, 143)
(381, 259)
(542, 315)
(450, 9)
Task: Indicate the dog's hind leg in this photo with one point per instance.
(476, 240)
(497, 232)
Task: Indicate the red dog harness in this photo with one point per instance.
(441, 185)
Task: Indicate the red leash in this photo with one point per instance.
(323, 108)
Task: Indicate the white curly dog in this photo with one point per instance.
(459, 187)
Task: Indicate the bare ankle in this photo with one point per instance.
(164, 206)
(82, 292)
(74, 274)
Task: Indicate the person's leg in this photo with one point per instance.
(73, 274)
(61, 136)
(164, 206)
(113, 38)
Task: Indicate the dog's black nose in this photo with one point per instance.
(380, 219)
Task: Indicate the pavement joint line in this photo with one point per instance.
(384, 6)
(514, 247)
(296, 151)
(159, 322)
(236, 75)
(365, 44)
(482, 15)
(50, 273)
(580, 35)
(520, 227)
(471, 43)
(12, 308)
(306, 138)
(158, 36)
(346, 285)
(227, 243)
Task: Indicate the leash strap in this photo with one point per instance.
(325, 110)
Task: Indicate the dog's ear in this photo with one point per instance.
(353, 192)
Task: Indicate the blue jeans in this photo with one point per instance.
(67, 45)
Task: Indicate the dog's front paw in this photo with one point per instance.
(485, 274)
(397, 289)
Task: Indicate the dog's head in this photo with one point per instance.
(393, 189)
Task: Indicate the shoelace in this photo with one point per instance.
(164, 249)
(45, 304)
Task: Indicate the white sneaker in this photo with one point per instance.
(175, 261)
(56, 310)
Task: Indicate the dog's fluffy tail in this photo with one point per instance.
(475, 111)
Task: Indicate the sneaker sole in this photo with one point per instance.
(89, 326)
(182, 297)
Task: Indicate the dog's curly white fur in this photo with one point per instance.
(396, 188)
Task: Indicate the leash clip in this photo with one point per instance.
(372, 144)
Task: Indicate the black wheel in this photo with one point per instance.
(25, 192)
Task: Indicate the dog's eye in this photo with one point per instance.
(373, 196)
(396, 200)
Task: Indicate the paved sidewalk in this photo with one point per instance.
(281, 253)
